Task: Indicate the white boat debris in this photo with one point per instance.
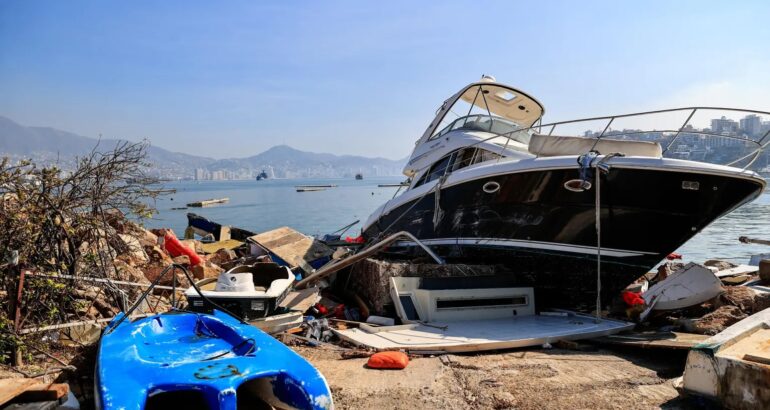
(690, 286)
(733, 367)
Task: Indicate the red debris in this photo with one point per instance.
(632, 298)
(673, 255)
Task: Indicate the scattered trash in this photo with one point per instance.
(318, 329)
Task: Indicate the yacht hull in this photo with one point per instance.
(544, 235)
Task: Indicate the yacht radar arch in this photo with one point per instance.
(485, 106)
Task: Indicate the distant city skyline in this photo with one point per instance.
(359, 78)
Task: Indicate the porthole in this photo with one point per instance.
(491, 187)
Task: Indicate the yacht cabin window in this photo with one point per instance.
(456, 160)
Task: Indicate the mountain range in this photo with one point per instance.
(47, 145)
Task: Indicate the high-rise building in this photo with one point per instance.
(201, 174)
(724, 125)
(751, 125)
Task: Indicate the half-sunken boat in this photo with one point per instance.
(185, 360)
(491, 183)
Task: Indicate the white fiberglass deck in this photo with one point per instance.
(486, 334)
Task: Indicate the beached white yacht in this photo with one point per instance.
(490, 183)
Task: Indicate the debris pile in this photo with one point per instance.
(703, 299)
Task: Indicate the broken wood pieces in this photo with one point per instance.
(30, 390)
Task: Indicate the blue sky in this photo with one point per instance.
(233, 78)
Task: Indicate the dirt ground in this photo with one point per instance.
(518, 379)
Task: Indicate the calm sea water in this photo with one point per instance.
(263, 205)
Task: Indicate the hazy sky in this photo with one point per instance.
(233, 78)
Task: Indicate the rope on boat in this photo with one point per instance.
(601, 166)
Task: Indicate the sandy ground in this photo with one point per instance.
(519, 379)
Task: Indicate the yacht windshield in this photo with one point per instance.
(490, 108)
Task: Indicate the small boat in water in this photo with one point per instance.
(208, 202)
(359, 176)
(186, 360)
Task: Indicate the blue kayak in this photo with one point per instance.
(191, 360)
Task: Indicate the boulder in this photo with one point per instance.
(205, 270)
(193, 244)
(157, 256)
(147, 238)
(182, 260)
(719, 264)
(222, 256)
(128, 273)
(116, 219)
(134, 249)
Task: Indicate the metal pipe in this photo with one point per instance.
(680, 130)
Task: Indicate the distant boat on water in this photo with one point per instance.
(359, 176)
(262, 175)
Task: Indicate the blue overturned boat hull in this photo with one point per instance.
(200, 361)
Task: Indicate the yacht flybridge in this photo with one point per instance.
(489, 182)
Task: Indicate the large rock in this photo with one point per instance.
(159, 261)
(134, 249)
(157, 255)
(128, 273)
(222, 256)
(193, 244)
(182, 260)
(719, 264)
(205, 270)
(148, 238)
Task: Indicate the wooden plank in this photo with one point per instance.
(300, 300)
(293, 247)
(224, 244)
(44, 392)
(738, 270)
(30, 390)
(757, 359)
(10, 388)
